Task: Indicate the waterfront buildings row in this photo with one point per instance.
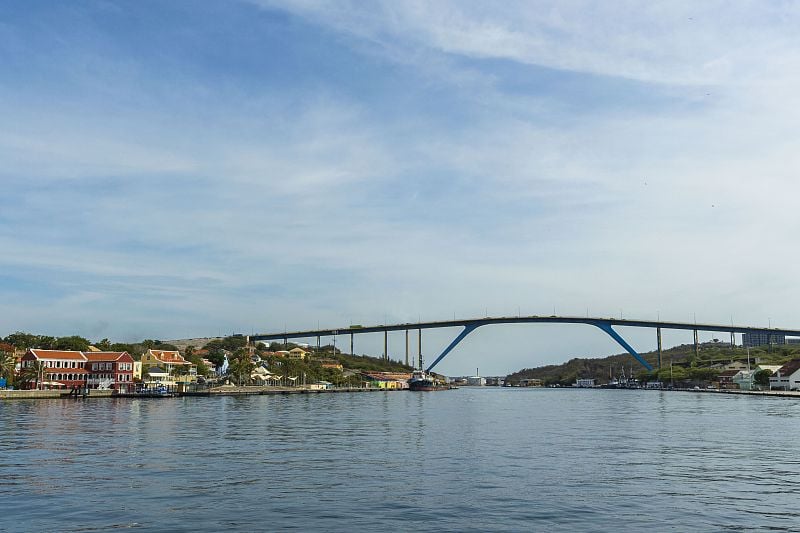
(104, 370)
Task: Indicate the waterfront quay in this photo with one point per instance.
(224, 390)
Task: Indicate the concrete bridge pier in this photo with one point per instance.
(406, 347)
(419, 345)
(696, 344)
(351, 345)
(658, 334)
(386, 344)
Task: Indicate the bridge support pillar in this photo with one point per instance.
(696, 344)
(386, 344)
(419, 347)
(658, 334)
(406, 347)
(319, 343)
(351, 345)
(733, 340)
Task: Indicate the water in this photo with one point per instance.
(462, 460)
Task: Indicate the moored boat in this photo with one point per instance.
(422, 381)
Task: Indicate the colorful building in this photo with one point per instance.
(110, 370)
(62, 368)
(171, 362)
(386, 380)
(297, 353)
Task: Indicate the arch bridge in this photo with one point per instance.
(471, 324)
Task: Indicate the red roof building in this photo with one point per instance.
(169, 361)
(110, 370)
(63, 368)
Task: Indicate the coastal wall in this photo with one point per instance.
(224, 390)
(39, 394)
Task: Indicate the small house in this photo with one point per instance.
(786, 377)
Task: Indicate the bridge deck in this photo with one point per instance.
(475, 322)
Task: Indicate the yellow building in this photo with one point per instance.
(297, 353)
(172, 362)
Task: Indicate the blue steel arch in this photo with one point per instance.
(605, 326)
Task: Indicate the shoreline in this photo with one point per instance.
(218, 391)
(274, 391)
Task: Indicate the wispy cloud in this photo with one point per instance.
(675, 42)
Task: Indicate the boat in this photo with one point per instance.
(422, 381)
(158, 391)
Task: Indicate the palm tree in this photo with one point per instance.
(241, 366)
(35, 372)
(7, 366)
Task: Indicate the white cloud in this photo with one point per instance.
(668, 42)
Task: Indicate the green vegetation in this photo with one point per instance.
(686, 367)
(22, 341)
(241, 363)
(310, 369)
(7, 363)
(762, 377)
(35, 373)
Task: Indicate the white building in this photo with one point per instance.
(744, 379)
(787, 377)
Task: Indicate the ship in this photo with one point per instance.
(422, 381)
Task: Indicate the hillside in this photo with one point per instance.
(680, 356)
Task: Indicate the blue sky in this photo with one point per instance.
(195, 168)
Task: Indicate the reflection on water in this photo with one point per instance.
(460, 460)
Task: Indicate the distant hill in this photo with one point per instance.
(683, 355)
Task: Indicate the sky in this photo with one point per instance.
(182, 169)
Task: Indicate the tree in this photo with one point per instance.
(216, 354)
(150, 344)
(104, 345)
(7, 366)
(241, 366)
(22, 340)
(135, 350)
(35, 372)
(72, 342)
(762, 377)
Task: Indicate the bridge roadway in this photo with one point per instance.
(470, 324)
